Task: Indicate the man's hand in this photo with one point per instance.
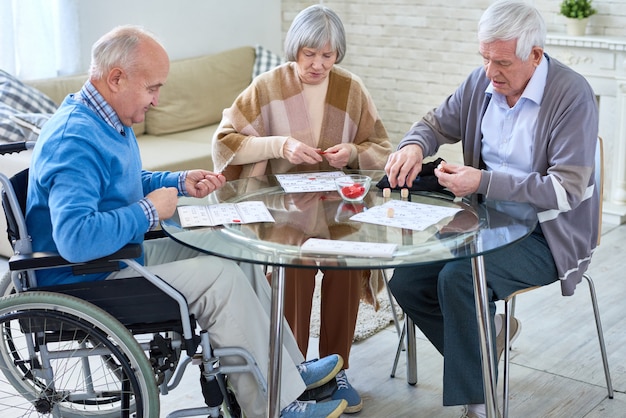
(200, 183)
(299, 153)
(459, 179)
(338, 155)
(404, 165)
(164, 200)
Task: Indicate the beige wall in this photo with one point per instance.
(411, 54)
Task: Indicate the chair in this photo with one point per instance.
(509, 307)
(98, 349)
(509, 302)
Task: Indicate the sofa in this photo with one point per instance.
(176, 134)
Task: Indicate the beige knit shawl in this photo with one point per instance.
(274, 105)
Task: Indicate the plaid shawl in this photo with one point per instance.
(274, 105)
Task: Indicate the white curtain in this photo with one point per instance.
(39, 38)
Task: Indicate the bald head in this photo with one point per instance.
(128, 68)
(122, 47)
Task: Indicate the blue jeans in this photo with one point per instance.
(439, 298)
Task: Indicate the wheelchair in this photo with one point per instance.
(99, 349)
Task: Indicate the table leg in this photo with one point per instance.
(484, 331)
(411, 355)
(276, 343)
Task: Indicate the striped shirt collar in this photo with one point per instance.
(90, 96)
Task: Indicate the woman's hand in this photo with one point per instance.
(338, 156)
(297, 152)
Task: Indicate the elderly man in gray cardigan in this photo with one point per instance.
(529, 127)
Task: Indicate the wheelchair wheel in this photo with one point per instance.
(61, 356)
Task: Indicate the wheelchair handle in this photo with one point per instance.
(12, 147)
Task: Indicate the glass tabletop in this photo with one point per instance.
(476, 228)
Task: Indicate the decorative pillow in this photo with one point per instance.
(23, 98)
(265, 60)
(9, 131)
(31, 123)
(18, 98)
(17, 126)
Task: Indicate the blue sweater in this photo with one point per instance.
(85, 183)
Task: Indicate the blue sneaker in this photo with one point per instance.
(347, 392)
(315, 373)
(298, 409)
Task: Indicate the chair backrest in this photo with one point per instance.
(14, 204)
(599, 173)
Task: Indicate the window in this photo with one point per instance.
(39, 38)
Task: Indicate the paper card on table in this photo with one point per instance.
(309, 182)
(406, 215)
(224, 213)
(355, 248)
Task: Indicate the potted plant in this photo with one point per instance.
(577, 13)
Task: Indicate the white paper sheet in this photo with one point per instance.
(309, 182)
(360, 249)
(224, 213)
(406, 215)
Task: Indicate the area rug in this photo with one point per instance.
(369, 321)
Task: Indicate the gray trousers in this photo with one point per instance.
(224, 303)
(439, 298)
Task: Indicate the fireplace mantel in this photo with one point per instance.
(602, 60)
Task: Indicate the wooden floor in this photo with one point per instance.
(556, 367)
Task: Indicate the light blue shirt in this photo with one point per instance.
(508, 132)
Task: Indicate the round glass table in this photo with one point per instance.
(476, 228)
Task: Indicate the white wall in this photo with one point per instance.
(187, 28)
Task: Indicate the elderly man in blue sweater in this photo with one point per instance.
(88, 197)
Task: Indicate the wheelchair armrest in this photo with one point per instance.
(12, 147)
(42, 260)
(157, 233)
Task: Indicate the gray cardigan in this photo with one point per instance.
(561, 186)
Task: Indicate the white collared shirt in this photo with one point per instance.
(508, 132)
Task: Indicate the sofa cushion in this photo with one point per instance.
(58, 87)
(179, 151)
(199, 89)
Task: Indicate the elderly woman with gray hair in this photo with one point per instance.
(309, 115)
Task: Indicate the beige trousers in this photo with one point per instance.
(224, 303)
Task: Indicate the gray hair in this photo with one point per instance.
(513, 19)
(116, 49)
(315, 27)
